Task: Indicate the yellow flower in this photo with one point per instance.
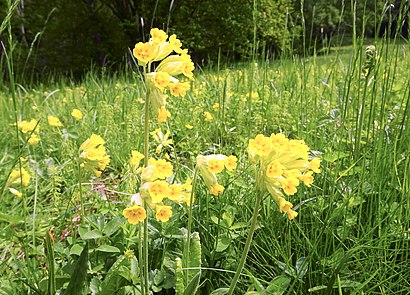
(144, 52)
(134, 214)
(158, 190)
(216, 165)
(158, 36)
(77, 114)
(208, 116)
(175, 192)
(34, 139)
(189, 126)
(216, 107)
(54, 121)
(27, 127)
(15, 192)
(135, 159)
(283, 164)
(161, 80)
(161, 139)
(93, 155)
(231, 163)
(274, 169)
(163, 115)
(163, 168)
(178, 88)
(163, 213)
(217, 189)
(18, 176)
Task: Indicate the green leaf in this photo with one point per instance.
(108, 249)
(220, 291)
(193, 285)
(51, 286)
(76, 249)
(11, 218)
(91, 235)
(278, 285)
(112, 226)
(78, 277)
(223, 244)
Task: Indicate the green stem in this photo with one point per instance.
(188, 239)
(81, 191)
(146, 153)
(247, 243)
(140, 259)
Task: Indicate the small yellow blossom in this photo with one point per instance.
(163, 213)
(161, 80)
(54, 121)
(77, 114)
(163, 115)
(158, 190)
(135, 159)
(144, 52)
(231, 163)
(93, 154)
(208, 116)
(189, 126)
(217, 189)
(179, 88)
(216, 107)
(34, 139)
(134, 214)
(18, 176)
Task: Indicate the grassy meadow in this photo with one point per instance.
(352, 232)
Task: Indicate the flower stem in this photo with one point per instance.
(259, 194)
(140, 259)
(81, 192)
(189, 229)
(146, 152)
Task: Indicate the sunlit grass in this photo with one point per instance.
(352, 231)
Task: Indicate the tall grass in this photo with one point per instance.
(352, 232)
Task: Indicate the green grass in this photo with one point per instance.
(352, 232)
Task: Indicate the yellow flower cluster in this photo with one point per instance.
(31, 128)
(77, 114)
(155, 190)
(283, 165)
(54, 121)
(93, 155)
(211, 165)
(16, 177)
(162, 139)
(159, 49)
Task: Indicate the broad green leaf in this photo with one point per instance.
(78, 277)
(278, 286)
(193, 285)
(91, 235)
(76, 249)
(13, 219)
(108, 249)
(223, 244)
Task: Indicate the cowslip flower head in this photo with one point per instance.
(77, 114)
(162, 139)
(17, 177)
(163, 213)
(283, 165)
(144, 52)
(211, 165)
(134, 214)
(93, 155)
(54, 121)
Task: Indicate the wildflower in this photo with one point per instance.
(93, 154)
(158, 190)
(163, 213)
(34, 139)
(134, 214)
(178, 88)
(144, 52)
(18, 176)
(158, 36)
(161, 139)
(54, 121)
(211, 165)
(135, 159)
(161, 80)
(77, 114)
(208, 116)
(283, 165)
(189, 126)
(216, 107)
(163, 115)
(27, 127)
